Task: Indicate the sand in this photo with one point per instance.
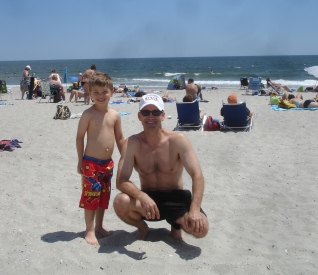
(260, 196)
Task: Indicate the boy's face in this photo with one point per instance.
(101, 94)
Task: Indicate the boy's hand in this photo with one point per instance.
(79, 167)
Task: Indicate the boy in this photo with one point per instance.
(102, 125)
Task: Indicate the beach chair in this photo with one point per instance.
(235, 118)
(244, 82)
(46, 92)
(4, 90)
(189, 116)
(254, 85)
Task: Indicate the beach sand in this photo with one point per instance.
(260, 196)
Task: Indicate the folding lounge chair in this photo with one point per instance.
(244, 82)
(254, 85)
(4, 90)
(46, 91)
(189, 116)
(235, 118)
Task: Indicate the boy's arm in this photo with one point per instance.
(119, 137)
(81, 131)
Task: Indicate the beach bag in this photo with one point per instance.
(62, 112)
(285, 104)
(211, 124)
(274, 100)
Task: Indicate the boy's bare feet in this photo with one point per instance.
(90, 238)
(103, 232)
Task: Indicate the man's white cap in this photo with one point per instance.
(27, 66)
(151, 99)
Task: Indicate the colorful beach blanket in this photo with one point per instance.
(9, 145)
(117, 102)
(276, 108)
(124, 113)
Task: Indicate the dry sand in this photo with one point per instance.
(260, 197)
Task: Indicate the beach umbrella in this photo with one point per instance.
(313, 71)
(65, 77)
(73, 78)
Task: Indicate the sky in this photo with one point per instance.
(94, 29)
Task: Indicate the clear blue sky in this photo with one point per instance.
(82, 29)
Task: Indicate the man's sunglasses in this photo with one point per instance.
(147, 112)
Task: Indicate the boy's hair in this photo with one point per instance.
(187, 98)
(100, 79)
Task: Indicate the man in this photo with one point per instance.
(159, 156)
(232, 99)
(193, 89)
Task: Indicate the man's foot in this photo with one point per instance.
(104, 232)
(90, 238)
(142, 232)
(176, 234)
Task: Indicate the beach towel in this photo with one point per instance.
(9, 145)
(116, 102)
(124, 113)
(276, 108)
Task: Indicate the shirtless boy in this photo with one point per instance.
(159, 156)
(102, 126)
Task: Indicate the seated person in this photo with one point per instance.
(77, 93)
(276, 85)
(53, 72)
(54, 82)
(232, 99)
(300, 103)
(193, 90)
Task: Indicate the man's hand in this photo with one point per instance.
(194, 222)
(150, 208)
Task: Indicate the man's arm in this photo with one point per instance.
(192, 166)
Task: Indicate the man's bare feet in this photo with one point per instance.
(103, 232)
(90, 238)
(142, 231)
(176, 234)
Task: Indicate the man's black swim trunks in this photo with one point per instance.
(171, 204)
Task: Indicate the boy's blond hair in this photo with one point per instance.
(100, 79)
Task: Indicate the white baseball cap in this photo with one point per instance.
(28, 67)
(151, 99)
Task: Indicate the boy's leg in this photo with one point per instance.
(90, 236)
(99, 223)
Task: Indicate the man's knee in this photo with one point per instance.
(120, 202)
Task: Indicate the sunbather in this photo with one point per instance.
(300, 103)
(276, 85)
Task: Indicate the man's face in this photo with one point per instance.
(151, 117)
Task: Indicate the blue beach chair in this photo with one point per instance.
(254, 85)
(235, 118)
(189, 116)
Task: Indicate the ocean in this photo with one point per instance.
(156, 73)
